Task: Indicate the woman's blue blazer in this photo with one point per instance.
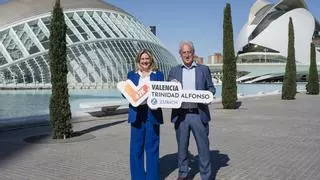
(154, 115)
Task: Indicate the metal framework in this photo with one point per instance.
(102, 46)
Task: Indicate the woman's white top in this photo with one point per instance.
(144, 80)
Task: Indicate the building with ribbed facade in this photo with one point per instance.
(102, 42)
(264, 38)
(262, 44)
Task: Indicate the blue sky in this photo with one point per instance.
(199, 21)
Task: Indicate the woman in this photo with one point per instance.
(145, 123)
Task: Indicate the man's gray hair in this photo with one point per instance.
(189, 43)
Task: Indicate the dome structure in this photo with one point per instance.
(264, 38)
(102, 42)
(16, 10)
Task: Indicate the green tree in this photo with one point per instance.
(313, 78)
(229, 70)
(60, 113)
(289, 87)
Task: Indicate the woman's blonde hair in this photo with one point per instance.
(153, 64)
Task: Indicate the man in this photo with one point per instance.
(192, 116)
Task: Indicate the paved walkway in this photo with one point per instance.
(265, 139)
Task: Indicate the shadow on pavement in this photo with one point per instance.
(238, 104)
(104, 113)
(17, 141)
(169, 163)
(98, 127)
(12, 144)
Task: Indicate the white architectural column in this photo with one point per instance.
(93, 24)
(5, 53)
(112, 25)
(103, 24)
(133, 28)
(16, 39)
(31, 71)
(33, 37)
(83, 26)
(73, 28)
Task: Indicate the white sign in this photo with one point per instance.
(170, 95)
(162, 94)
(135, 95)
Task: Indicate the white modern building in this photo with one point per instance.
(262, 44)
(102, 42)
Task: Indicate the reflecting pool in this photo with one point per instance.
(18, 103)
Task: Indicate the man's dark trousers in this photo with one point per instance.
(185, 124)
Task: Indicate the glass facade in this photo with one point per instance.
(101, 49)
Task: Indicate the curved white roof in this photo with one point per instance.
(272, 32)
(257, 6)
(275, 36)
(293, 3)
(16, 10)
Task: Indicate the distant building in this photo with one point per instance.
(210, 59)
(264, 38)
(262, 44)
(217, 58)
(153, 29)
(198, 59)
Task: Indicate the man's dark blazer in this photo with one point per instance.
(203, 82)
(154, 115)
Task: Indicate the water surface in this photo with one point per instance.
(19, 103)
